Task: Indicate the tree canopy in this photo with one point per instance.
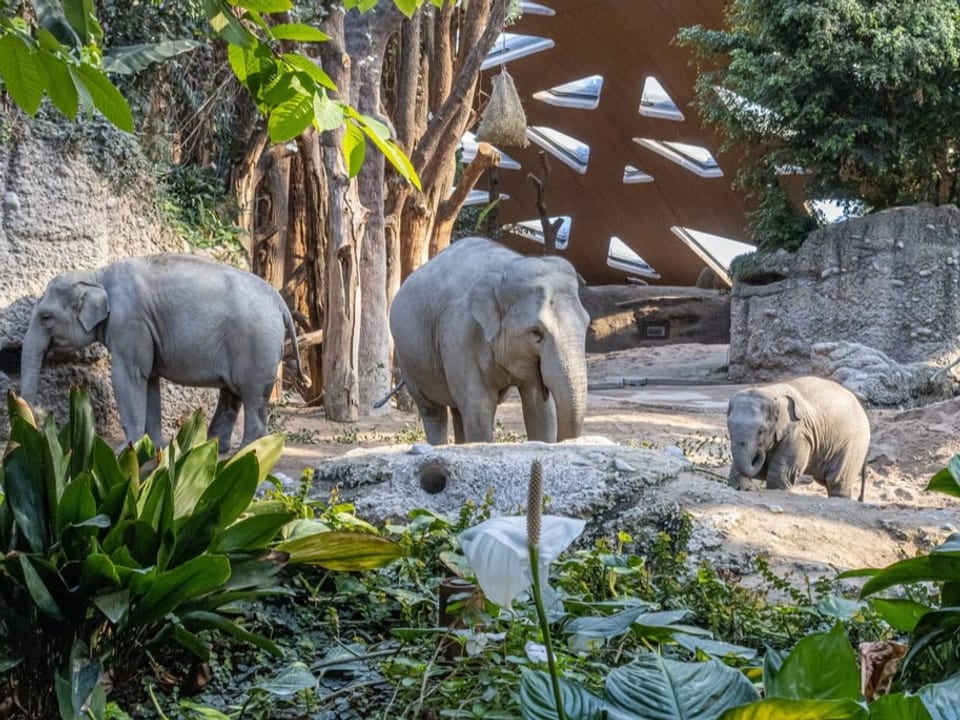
(858, 99)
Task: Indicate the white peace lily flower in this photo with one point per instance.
(497, 551)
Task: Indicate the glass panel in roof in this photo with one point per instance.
(480, 197)
(532, 8)
(510, 46)
(716, 251)
(533, 230)
(694, 158)
(567, 149)
(632, 175)
(468, 150)
(583, 94)
(621, 257)
(656, 103)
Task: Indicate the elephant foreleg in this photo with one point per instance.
(224, 418)
(457, 425)
(539, 414)
(787, 463)
(434, 424)
(153, 425)
(130, 391)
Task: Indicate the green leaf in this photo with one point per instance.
(187, 640)
(60, 85)
(54, 33)
(83, 18)
(98, 573)
(192, 433)
(946, 481)
(77, 503)
(175, 587)
(787, 709)
(407, 7)
(925, 568)
(23, 486)
(901, 615)
(714, 648)
(132, 59)
(606, 626)
(22, 73)
(256, 531)
(77, 435)
(38, 590)
(354, 149)
(537, 701)
(291, 680)
(75, 688)
(267, 450)
(55, 464)
(342, 551)
(291, 117)
(313, 71)
(942, 700)
(379, 134)
(298, 32)
(233, 488)
(822, 666)
(264, 6)
(113, 605)
(195, 472)
(654, 687)
(201, 620)
(226, 25)
(898, 707)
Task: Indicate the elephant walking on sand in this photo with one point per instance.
(479, 319)
(184, 318)
(808, 426)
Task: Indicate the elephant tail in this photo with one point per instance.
(291, 329)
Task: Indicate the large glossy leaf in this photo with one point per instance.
(23, 75)
(822, 666)
(24, 487)
(175, 587)
(898, 707)
(77, 435)
(714, 648)
(342, 551)
(194, 536)
(56, 466)
(104, 95)
(98, 574)
(233, 489)
(942, 700)
(291, 117)
(654, 687)
(606, 626)
(133, 539)
(106, 467)
(267, 450)
(314, 71)
(38, 590)
(77, 503)
(195, 472)
(134, 58)
(354, 148)
(787, 709)
(925, 568)
(934, 628)
(113, 605)
(203, 620)
(80, 680)
(537, 700)
(947, 481)
(298, 32)
(83, 18)
(256, 531)
(899, 614)
(264, 6)
(226, 24)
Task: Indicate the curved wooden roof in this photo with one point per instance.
(624, 42)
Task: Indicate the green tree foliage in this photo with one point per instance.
(861, 95)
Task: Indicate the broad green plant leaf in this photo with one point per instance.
(251, 532)
(23, 487)
(80, 682)
(22, 73)
(203, 620)
(98, 573)
(60, 87)
(341, 551)
(947, 481)
(298, 32)
(901, 615)
(328, 114)
(291, 680)
(77, 503)
(267, 450)
(82, 16)
(925, 568)
(788, 709)
(38, 590)
(132, 59)
(113, 605)
(314, 71)
(233, 488)
(76, 437)
(195, 472)
(379, 134)
(407, 7)
(354, 149)
(226, 25)
(898, 707)
(934, 628)
(714, 648)
(178, 586)
(655, 687)
(537, 701)
(264, 6)
(942, 700)
(291, 117)
(822, 666)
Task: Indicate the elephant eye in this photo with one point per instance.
(536, 334)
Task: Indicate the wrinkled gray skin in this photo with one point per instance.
(180, 317)
(806, 426)
(479, 319)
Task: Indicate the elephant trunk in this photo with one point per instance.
(35, 344)
(564, 370)
(748, 458)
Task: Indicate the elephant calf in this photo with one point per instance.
(181, 317)
(807, 426)
(479, 319)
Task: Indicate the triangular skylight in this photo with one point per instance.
(621, 257)
(567, 149)
(716, 251)
(632, 176)
(510, 46)
(532, 8)
(583, 94)
(533, 230)
(480, 197)
(656, 103)
(468, 148)
(694, 158)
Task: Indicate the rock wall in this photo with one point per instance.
(60, 210)
(889, 281)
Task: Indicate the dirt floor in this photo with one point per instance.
(676, 395)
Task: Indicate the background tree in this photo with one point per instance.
(858, 95)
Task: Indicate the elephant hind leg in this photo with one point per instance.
(255, 404)
(434, 424)
(224, 418)
(457, 418)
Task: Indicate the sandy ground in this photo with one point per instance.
(676, 395)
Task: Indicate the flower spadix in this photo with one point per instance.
(498, 552)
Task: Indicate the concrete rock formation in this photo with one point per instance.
(889, 281)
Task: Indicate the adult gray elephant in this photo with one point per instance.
(184, 318)
(805, 426)
(479, 319)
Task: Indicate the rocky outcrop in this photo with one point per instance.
(66, 203)
(889, 281)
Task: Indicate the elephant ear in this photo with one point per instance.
(793, 409)
(94, 306)
(484, 306)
